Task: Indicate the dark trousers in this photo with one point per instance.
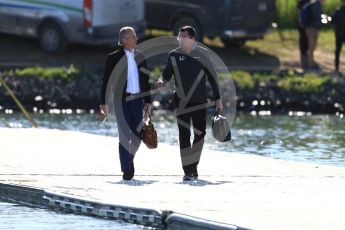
(191, 153)
(129, 116)
(303, 41)
(338, 45)
(303, 46)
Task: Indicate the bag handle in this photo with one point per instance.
(147, 118)
(218, 112)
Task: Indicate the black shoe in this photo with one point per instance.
(128, 175)
(195, 176)
(188, 178)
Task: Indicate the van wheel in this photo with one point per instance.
(52, 39)
(234, 42)
(188, 21)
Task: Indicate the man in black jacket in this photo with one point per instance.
(339, 21)
(190, 64)
(130, 91)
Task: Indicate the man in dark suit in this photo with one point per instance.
(130, 90)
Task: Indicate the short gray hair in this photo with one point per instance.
(124, 32)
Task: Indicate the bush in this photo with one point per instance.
(309, 83)
(49, 72)
(262, 77)
(242, 79)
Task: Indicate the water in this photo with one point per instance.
(315, 139)
(13, 216)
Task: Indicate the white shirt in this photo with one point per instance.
(133, 74)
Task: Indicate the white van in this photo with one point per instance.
(57, 22)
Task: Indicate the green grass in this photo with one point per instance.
(308, 83)
(264, 77)
(282, 43)
(46, 72)
(245, 81)
(242, 79)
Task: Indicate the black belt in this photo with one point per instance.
(131, 94)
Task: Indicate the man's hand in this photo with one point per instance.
(219, 105)
(159, 84)
(104, 111)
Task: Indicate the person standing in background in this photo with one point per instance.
(338, 20)
(303, 40)
(312, 12)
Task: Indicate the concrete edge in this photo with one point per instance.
(21, 194)
(186, 222)
(160, 219)
(133, 215)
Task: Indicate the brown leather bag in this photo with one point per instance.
(149, 134)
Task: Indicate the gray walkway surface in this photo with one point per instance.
(241, 189)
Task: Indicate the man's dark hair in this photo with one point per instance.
(190, 30)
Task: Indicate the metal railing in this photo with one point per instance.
(17, 101)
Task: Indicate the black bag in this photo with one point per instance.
(149, 134)
(220, 127)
